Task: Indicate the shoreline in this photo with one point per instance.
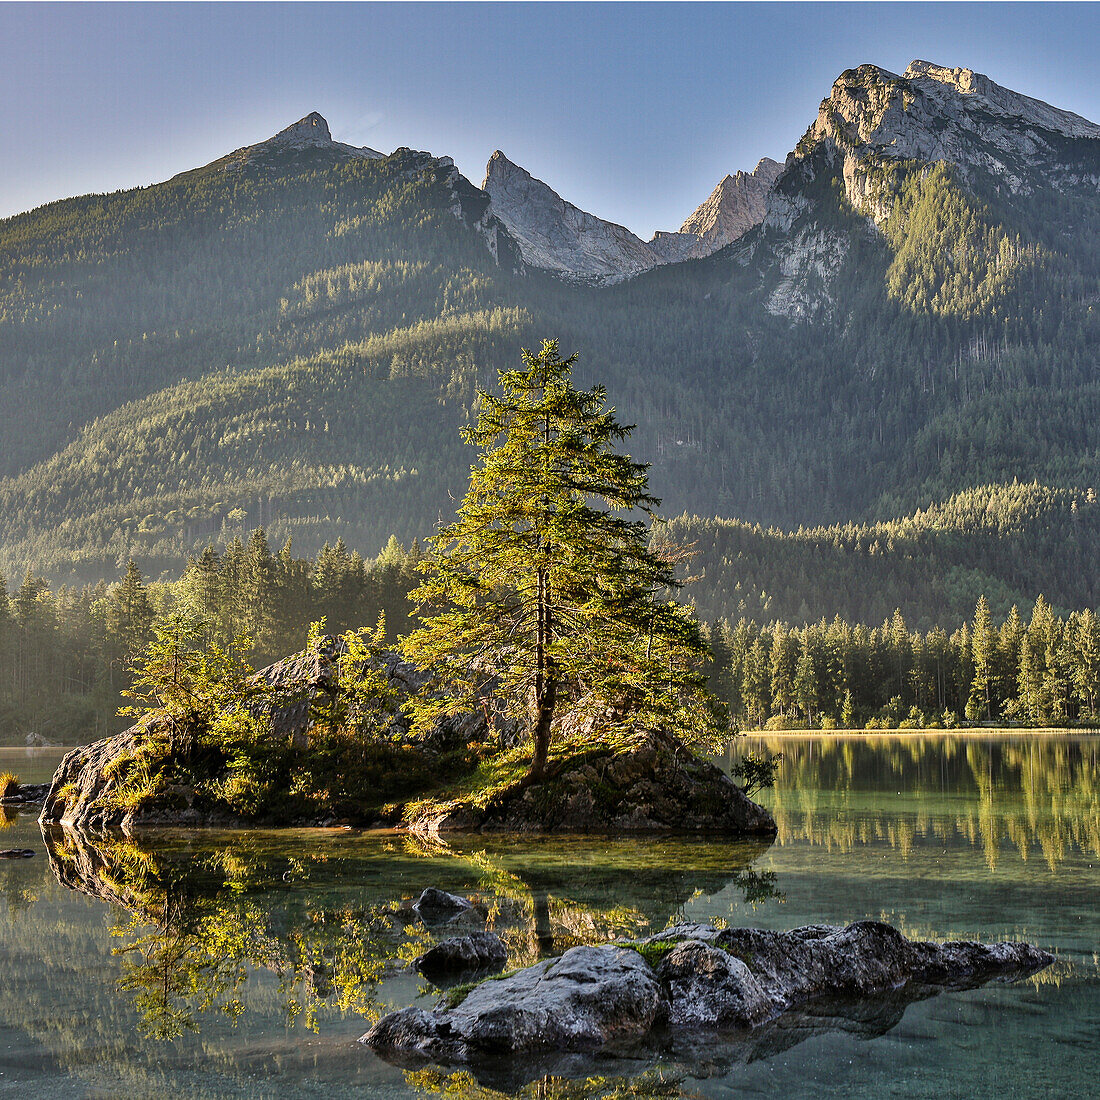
(987, 731)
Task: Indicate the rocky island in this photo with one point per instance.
(620, 998)
(651, 783)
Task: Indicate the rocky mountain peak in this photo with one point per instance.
(556, 235)
(311, 130)
(309, 133)
(1004, 102)
(738, 203)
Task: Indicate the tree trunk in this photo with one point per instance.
(544, 717)
(546, 686)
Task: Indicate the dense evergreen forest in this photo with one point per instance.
(292, 339)
(1006, 542)
(66, 654)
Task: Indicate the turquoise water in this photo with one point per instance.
(247, 964)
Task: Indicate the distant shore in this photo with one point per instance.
(967, 731)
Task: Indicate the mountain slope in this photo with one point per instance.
(293, 334)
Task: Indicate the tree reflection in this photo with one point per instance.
(326, 925)
(1037, 794)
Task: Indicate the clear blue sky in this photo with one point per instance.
(633, 112)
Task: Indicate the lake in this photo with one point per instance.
(247, 964)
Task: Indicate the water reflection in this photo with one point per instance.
(917, 830)
(672, 1063)
(1040, 796)
(328, 923)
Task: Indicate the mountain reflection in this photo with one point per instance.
(1039, 796)
(324, 926)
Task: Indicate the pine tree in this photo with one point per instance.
(983, 649)
(130, 614)
(542, 588)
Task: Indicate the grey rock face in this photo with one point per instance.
(589, 997)
(862, 959)
(933, 113)
(734, 207)
(482, 951)
(710, 987)
(311, 132)
(873, 119)
(595, 996)
(557, 236)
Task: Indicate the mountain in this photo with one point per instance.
(292, 336)
(1017, 165)
(734, 207)
(309, 133)
(557, 236)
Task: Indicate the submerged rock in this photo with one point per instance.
(479, 951)
(708, 977)
(437, 906)
(653, 785)
(17, 853)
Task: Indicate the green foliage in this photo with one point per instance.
(209, 733)
(542, 588)
(1044, 672)
(66, 654)
(757, 771)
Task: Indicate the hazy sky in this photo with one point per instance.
(633, 112)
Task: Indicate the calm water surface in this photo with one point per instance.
(247, 964)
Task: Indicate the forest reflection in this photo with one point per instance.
(1038, 796)
(323, 927)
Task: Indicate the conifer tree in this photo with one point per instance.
(543, 587)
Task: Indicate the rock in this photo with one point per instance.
(26, 794)
(80, 795)
(736, 205)
(741, 977)
(17, 853)
(480, 951)
(654, 785)
(862, 959)
(437, 906)
(557, 236)
(308, 135)
(710, 987)
(588, 998)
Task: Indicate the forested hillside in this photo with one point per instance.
(1009, 544)
(293, 337)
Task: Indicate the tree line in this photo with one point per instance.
(1041, 671)
(66, 655)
